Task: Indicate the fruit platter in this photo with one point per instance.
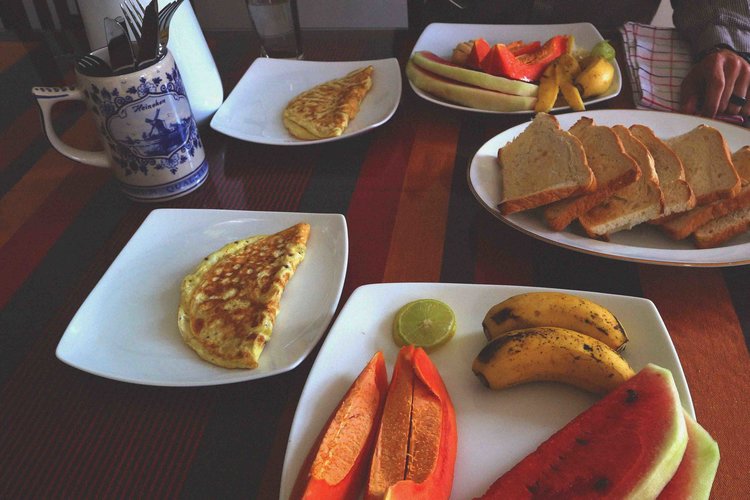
(511, 69)
(479, 408)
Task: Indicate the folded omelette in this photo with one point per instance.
(326, 110)
(229, 304)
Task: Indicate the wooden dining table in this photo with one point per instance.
(411, 217)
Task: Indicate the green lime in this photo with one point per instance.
(425, 323)
(603, 49)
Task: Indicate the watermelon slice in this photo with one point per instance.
(627, 445)
(696, 473)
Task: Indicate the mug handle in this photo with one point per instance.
(46, 98)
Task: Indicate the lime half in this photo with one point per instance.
(425, 323)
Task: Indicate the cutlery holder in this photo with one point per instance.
(186, 43)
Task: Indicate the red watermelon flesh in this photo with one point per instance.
(695, 475)
(627, 445)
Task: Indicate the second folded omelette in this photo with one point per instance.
(228, 305)
(325, 110)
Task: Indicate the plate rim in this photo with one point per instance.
(288, 475)
(706, 263)
(440, 102)
(217, 121)
(336, 219)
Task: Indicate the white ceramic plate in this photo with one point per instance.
(441, 38)
(644, 243)
(253, 110)
(127, 328)
(496, 429)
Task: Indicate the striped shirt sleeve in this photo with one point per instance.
(706, 24)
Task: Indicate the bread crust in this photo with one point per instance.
(632, 205)
(678, 195)
(708, 164)
(553, 158)
(719, 231)
(612, 167)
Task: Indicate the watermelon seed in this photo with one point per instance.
(632, 396)
(601, 484)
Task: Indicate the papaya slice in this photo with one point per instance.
(415, 450)
(336, 465)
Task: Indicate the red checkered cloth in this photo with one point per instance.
(657, 62)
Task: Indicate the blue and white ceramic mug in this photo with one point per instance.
(150, 137)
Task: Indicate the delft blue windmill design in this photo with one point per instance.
(161, 137)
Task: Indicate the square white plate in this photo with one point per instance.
(253, 110)
(496, 429)
(127, 327)
(441, 38)
(645, 242)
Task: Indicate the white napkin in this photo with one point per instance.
(657, 62)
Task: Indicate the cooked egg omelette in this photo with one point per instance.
(326, 110)
(228, 305)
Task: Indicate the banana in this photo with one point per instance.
(550, 354)
(554, 309)
(548, 90)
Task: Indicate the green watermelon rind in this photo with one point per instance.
(669, 457)
(703, 454)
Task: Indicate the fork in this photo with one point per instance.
(133, 19)
(93, 65)
(165, 16)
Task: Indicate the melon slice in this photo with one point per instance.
(627, 445)
(695, 475)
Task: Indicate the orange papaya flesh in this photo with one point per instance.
(431, 440)
(392, 442)
(337, 463)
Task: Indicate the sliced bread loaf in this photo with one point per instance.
(638, 202)
(543, 164)
(684, 224)
(612, 167)
(678, 196)
(708, 164)
(718, 231)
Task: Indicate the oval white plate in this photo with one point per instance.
(441, 38)
(496, 429)
(253, 110)
(644, 243)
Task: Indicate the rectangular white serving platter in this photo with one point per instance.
(496, 429)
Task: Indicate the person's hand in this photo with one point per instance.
(712, 83)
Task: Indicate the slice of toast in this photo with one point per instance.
(683, 225)
(678, 196)
(543, 164)
(718, 231)
(612, 167)
(638, 202)
(708, 164)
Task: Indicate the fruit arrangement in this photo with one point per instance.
(400, 440)
(517, 76)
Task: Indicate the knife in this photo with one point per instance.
(118, 44)
(149, 49)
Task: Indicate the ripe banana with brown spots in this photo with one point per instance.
(550, 354)
(554, 309)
